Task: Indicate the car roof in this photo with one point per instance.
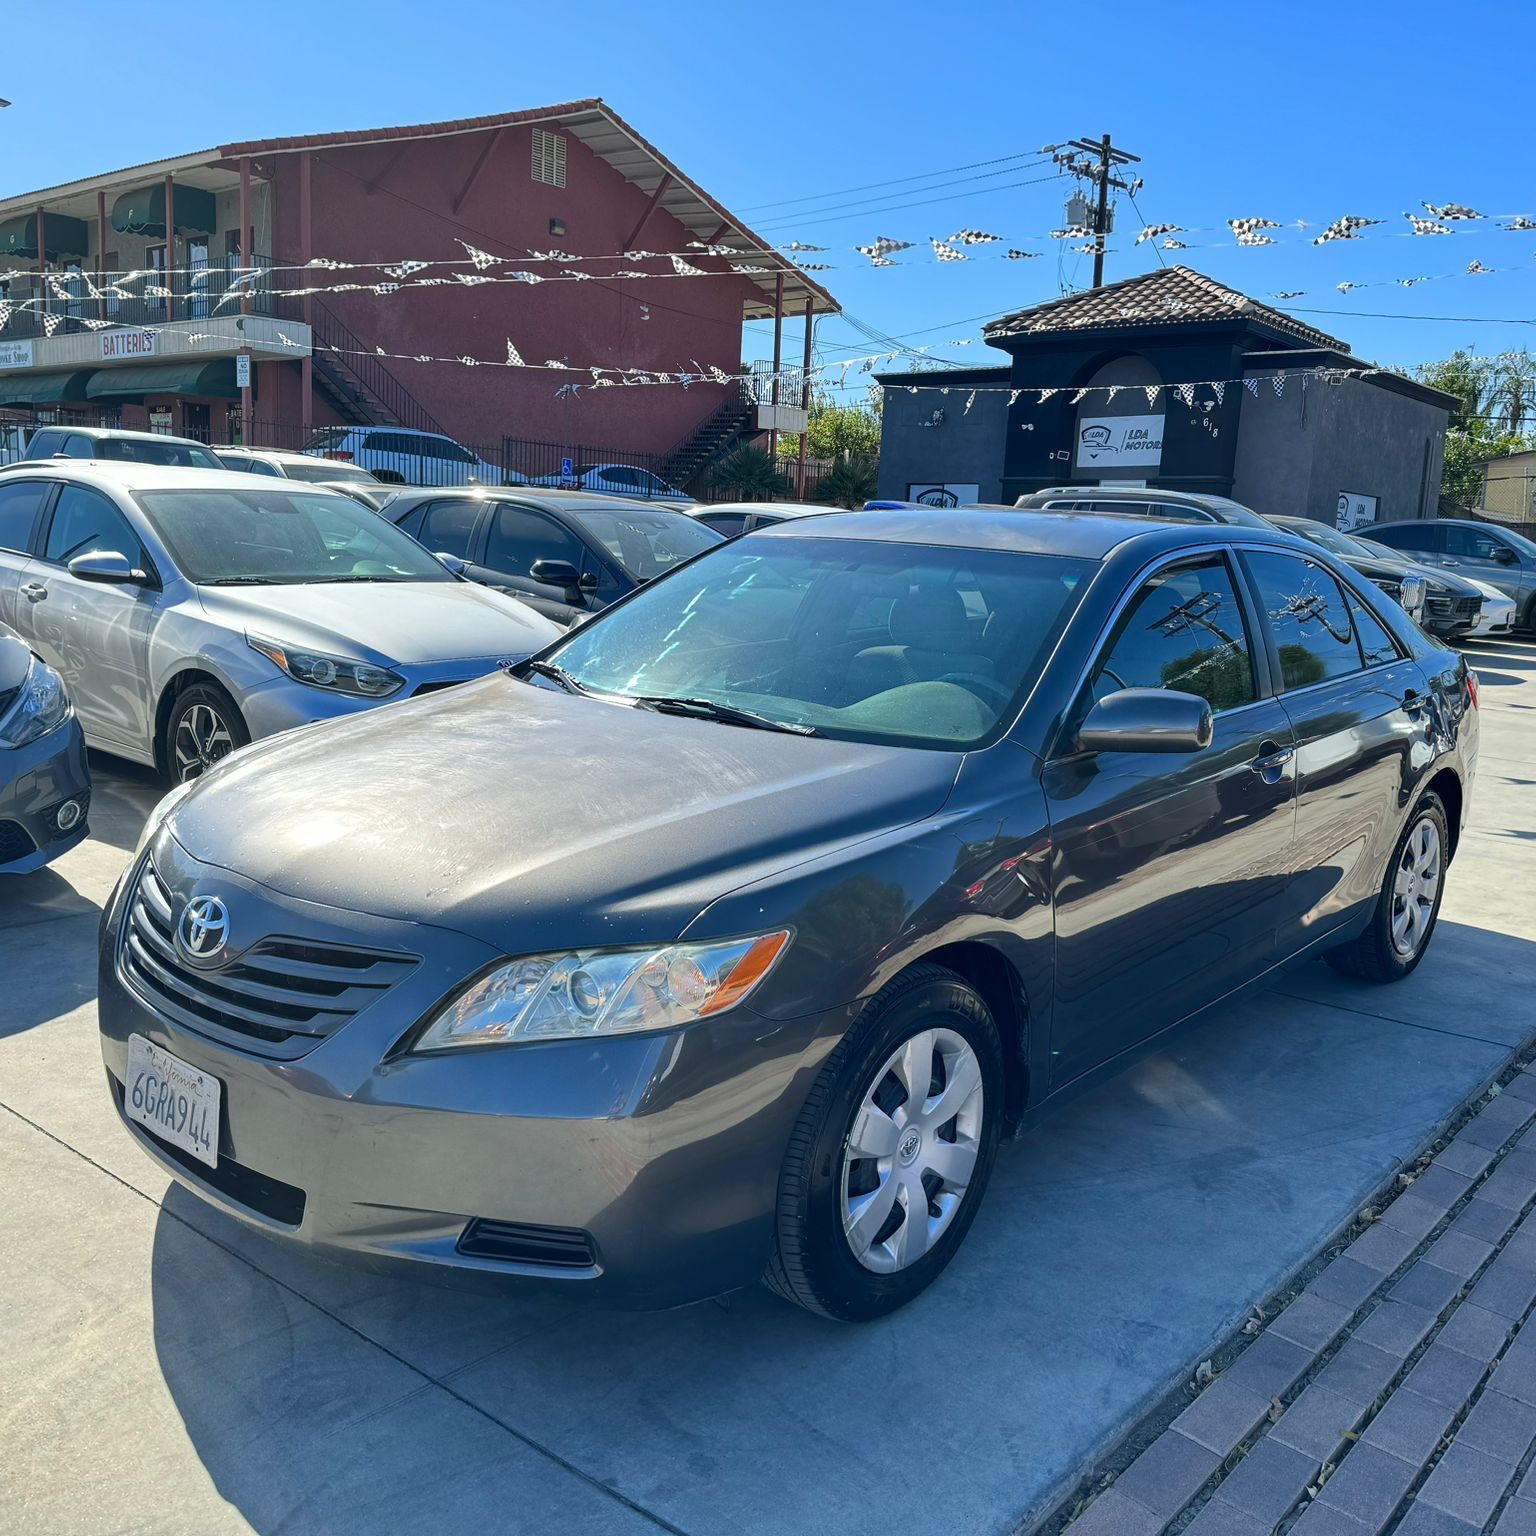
(264, 453)
(109, 473)
(1084, 535)
(121, 432)
(551, 499)
(778, 508)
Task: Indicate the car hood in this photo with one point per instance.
(534, 820)
(1457, 585)
(386, 622)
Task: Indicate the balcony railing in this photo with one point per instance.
(195, 295)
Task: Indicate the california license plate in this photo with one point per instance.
(177, 1101)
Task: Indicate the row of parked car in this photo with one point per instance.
(347, 455)
(743, 919)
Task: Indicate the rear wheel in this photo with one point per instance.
(1409, 905)
(891, 1155)
(203, 728)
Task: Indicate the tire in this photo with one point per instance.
(203, 727)
(814, 1264)
(1379, 953)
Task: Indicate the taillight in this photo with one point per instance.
(339, 453)
(1472, 686)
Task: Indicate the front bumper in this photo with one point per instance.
(281, 704)
(663, 1151)
(37, 782)
(1495, 619)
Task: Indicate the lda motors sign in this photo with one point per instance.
(1119, 442)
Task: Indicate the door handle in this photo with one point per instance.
(34, 591)
(1273, 760)
(1414, 701)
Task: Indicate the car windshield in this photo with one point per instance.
(898, 643)
(1527, 547)
(145, 450)
(282, 538)
(1336, 539)
(644, 543)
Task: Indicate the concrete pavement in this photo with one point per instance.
(163, 1369)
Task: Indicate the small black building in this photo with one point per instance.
(1169, 379)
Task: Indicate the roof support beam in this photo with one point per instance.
(370, 187)
(491, 141)
(650, 208)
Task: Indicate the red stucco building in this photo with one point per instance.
(574, 179)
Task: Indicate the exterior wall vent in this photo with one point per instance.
(549, 157)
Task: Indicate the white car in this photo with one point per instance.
(616, 480)
(1498, 612)
(406, 456)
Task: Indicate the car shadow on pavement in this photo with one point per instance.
(1125, 1233)
(122, 795)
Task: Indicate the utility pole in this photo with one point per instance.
(1108, 159)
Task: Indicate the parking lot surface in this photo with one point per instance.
(163, 1369)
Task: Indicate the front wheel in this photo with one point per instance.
(204, 727)
(891, 1155)
(1409, 905)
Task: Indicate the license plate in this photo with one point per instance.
(177, 1101)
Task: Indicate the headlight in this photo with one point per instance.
(41, 705)
(360, 678)
(156, 818)
(612, 992)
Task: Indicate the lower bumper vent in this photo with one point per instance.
(517, 1242)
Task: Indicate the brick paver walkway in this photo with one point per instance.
(1395, 1393)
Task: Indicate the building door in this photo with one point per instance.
(199, 304)
(195, 421)
(155, 308)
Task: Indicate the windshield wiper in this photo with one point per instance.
(726, 714)
(553, 671)
(242, 581)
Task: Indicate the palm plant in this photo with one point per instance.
(851, 481)
(749, 474)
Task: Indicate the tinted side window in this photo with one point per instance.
(18, 513)
(1376, 644)
(1472, 543)
(78, 447)
(1309, 617)
(727, 523)
(1184, 630)
(85, 520)
(1408, 535)
(449, 526)
(45, 444)
(520, 536)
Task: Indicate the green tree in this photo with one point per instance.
(834, 429)
(850, 482)
(1494, 395)
(748, 474)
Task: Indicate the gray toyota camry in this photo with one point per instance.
(727, 937)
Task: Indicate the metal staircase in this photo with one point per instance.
(711, 440)
(356, 383)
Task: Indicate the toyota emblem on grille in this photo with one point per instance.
(204, 928)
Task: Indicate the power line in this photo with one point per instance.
(816, 223)
(818, 197)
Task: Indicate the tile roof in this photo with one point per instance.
(1168, 296)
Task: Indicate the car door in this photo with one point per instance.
(22, 503)
(449, 526)
(1484, 554)
(95, 634)
(1361, 726)
(516, 537)
(1169, 869)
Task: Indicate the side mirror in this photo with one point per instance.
(555, 573)
(106, 565)
(453, 562)
(1505, 555)
(1147, 720)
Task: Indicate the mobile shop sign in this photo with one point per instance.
(15, 354)
(128, 342)
(1119, 442)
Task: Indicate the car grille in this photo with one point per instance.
(15, 841)
(1460, 609)
(279, 997)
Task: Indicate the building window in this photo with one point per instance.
(549, 157)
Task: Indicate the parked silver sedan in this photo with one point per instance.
(192, 611)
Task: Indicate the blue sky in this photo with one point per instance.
(1304, 111)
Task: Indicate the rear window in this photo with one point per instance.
(148, 450)
(327, 470)
(327, 437)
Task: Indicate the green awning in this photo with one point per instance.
(142, 211)
(44, 388)
(65, 237)
(140, 379)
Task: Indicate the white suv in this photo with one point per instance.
(405, 456)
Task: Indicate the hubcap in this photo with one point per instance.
(1415, 885)
(202, 738)
(912, 1150)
